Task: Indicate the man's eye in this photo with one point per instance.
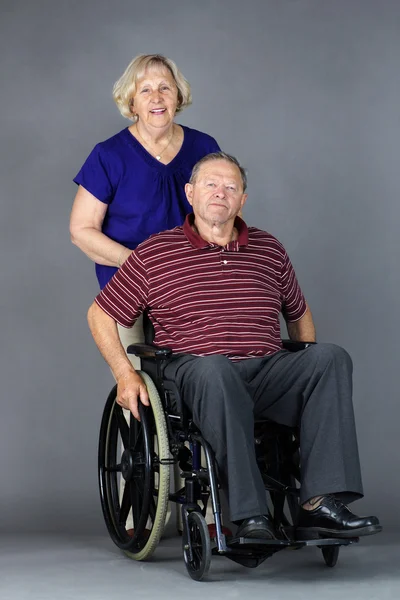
(231, 188)
(210, 184)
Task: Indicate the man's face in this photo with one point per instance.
(217, 194)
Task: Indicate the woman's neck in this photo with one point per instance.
(153, 135)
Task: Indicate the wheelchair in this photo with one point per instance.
(134, 466)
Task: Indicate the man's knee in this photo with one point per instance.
(331, 354)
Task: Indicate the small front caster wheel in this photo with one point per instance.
(196, 546)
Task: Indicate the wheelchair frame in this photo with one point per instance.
(168, 420)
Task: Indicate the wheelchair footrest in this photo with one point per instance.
(265, 545)
(320, 542)
(296, 539)
(273, 545)
(251, 552)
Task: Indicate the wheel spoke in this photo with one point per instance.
(139, 484)
(135, 435)
(136, 502)
(197, 556)
(122, 426)
(125, 505)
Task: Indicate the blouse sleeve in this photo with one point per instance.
(95, 176)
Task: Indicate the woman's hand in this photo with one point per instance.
(131, 387)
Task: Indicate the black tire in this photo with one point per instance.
(330, 554)
(137, 482)
(197, 533)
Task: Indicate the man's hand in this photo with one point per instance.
(131, 387)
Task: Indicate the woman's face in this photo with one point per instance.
(156, 97)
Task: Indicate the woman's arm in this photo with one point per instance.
(87, 217)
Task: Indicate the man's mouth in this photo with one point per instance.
(217, 204)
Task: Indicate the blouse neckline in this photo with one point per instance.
(150, 159)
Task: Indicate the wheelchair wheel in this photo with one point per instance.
(198, 537)
(330, 554)
(134, 473)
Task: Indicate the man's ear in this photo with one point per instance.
(189, 193)
(243, 201)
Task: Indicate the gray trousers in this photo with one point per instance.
(310, 389)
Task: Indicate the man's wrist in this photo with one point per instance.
(123, 372)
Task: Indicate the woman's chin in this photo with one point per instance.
(161, 121)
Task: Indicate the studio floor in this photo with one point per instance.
(66, 567)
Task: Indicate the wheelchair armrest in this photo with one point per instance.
(293, 346)
(149, 351)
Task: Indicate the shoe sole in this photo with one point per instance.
(311, 533)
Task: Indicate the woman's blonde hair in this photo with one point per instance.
(124, 89)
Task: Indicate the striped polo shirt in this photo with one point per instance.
(206, 299)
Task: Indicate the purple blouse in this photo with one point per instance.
(143, 195)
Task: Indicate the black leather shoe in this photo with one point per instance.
(332, 518)
(257, 527)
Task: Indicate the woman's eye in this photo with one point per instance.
(210, 184)
(164, 88)
(144, 90)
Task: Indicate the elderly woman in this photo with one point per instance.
(132, 185)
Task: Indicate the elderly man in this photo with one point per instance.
(214, 289)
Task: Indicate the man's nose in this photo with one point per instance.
(220, 191)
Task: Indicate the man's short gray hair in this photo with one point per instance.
(218, 156)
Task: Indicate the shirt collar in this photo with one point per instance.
(197, 242)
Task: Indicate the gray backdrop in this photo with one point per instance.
(306, 93)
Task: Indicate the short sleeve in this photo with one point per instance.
(293, 301)
(95, 175)
(125, 296)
